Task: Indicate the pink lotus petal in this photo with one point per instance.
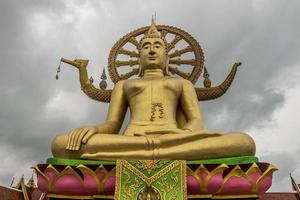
(109, 185)
(69, 185)
(89, 184)
(42, 184)
(255, 175)
(214, 183)
(265, 184)
(193, 187)
(237, 186)
(202, 175)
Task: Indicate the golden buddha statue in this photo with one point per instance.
(165, 122)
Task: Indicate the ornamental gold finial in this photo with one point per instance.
(30, 182)
(153, 32)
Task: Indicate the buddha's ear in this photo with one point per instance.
(167, 66)
(141, 71)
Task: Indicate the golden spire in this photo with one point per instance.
(153, 32)
(30, 182)
(20, 182)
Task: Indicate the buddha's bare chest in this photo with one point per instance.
(155, 90)
(153, 100)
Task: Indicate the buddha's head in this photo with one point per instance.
(153, 51)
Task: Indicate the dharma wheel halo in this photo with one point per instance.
(176, 64)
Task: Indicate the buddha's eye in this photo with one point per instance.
(157, 46)
(146, 46)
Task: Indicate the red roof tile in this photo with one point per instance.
(10, 193)
(279, 196)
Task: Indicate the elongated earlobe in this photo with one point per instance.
(166, 71)
(141, 71)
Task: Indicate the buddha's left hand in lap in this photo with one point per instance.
(78, 136)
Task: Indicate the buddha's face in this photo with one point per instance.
(153, 54)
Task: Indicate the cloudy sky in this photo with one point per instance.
(263, 100)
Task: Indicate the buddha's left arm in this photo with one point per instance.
(190, 105)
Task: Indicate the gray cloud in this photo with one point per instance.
(34, 35)
(286, 162)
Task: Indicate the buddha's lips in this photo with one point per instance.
(152, 57)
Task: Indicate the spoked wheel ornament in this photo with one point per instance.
(123, 58)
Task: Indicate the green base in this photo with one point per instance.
(228, 161)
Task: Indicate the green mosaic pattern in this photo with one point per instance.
(166, 181)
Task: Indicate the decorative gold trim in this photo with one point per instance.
(184, 178)
(234, 196)
(204, 196)
(59, 196)
(166, 187)
(150, 180)
(149, 165)
(199, 196)
(103, 196)
(118, 178)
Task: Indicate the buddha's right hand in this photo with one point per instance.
(78, 136)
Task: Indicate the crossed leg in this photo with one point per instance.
(168, 146)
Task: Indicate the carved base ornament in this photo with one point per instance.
(158, 179)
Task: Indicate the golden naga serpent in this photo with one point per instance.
(123, 63)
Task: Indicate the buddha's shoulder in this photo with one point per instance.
(119, 85)
(129, 82)
(132, 83)
(180, 81)
(186, 82)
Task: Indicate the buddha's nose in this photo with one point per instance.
(151, 52)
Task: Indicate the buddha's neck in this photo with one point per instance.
(148, 73)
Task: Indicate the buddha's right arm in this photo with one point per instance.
(116, 113)
(117, 108)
